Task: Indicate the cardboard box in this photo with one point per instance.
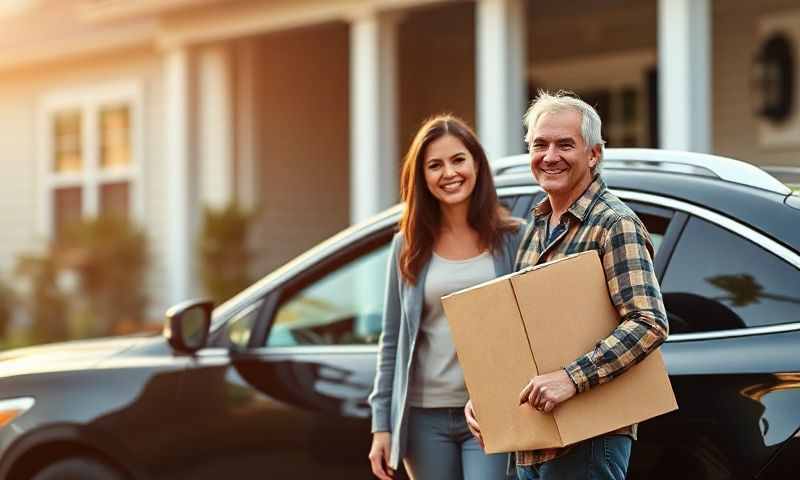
(510, 329)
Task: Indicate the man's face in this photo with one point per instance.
(560, 161)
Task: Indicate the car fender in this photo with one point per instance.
(80, 437)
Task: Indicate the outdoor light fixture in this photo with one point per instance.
(773, 78)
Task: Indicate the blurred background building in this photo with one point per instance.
(298, 111)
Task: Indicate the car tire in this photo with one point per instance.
(78, 468)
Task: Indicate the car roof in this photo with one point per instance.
(762, 209)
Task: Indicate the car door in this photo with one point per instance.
(732, 366)
(288, 399)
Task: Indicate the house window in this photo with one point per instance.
(620, 111)
(67, 208)
(91, 167)
(114, 199)
(67, 141)
(115, 138)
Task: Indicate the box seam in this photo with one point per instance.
(530, 349)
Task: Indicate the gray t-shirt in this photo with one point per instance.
(436, 376)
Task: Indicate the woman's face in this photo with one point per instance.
(450, 170)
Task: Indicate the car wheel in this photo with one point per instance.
(78, 468)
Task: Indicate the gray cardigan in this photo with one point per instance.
(401, 317)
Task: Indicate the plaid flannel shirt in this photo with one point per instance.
(598, 220)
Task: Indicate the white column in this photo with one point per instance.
(248, 176)
(373, 113)
(684, 74)
(501, 80)
(179, 239)
(215, 127)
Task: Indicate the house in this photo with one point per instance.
(301, 109)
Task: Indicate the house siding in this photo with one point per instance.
(303, 119)
(19, 167)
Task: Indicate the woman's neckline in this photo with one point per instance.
(461, 260)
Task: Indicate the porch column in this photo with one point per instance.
(179, 240)
(684, 74)
(373, 114)
(248, 176)
(215, 127)
(501, 82)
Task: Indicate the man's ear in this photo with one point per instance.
(595, 158)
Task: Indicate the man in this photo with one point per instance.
(580, 214)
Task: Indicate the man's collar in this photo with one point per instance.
(581, 206)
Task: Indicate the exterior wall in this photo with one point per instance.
(18, 164)
(436, 67)
(21, 94)
(735, 42)
(303, 125)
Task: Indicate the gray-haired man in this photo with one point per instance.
(580, 214)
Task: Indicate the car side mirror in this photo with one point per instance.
(187, 325)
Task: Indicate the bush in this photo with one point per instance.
(107, 260)
(110, 257)
(46, 304)
(223, 251)
(7, 304)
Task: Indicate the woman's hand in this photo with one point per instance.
(472, 423)
(379, 455)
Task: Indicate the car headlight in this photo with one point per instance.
(14, 407)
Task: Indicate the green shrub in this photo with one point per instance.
(46, 304)
(7, 304)
(224, 257)
(110, 257)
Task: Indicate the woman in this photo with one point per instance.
(453, 234)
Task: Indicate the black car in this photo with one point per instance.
(276, 386)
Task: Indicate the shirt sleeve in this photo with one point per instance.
(381, 397)
(635, 293)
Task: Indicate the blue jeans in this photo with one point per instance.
(600, 458)
(440, 447)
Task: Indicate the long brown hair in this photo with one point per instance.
(421, 219)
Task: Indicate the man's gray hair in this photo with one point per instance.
(591, 124)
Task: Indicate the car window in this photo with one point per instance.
(343, 307)
(240, 327)
(656, 219)
(718, 280)
(657, 226)
(509, 201)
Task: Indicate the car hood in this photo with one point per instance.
(65, 356)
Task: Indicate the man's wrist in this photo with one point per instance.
(578, 377)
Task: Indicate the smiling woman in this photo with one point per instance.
(454, 234)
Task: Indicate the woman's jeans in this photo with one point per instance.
(600, 458)
(441, 447)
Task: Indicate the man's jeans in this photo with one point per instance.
(600, 458)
